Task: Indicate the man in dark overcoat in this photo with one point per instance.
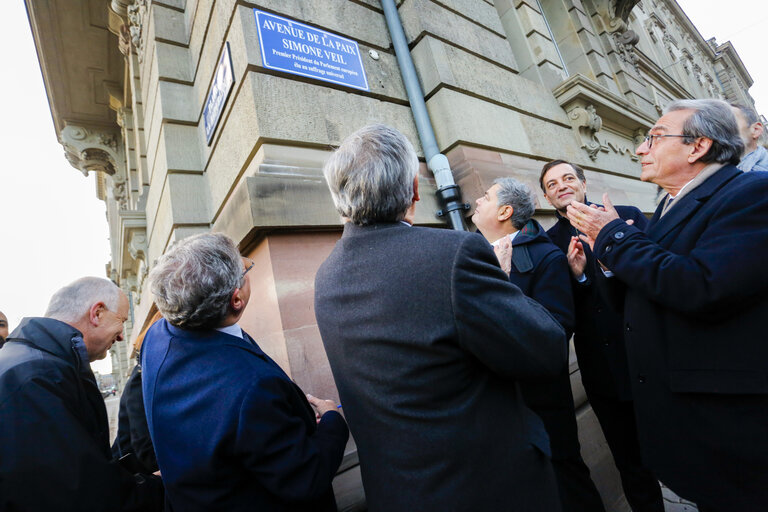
(54, 434)
(599, 337)
(427, 341)
(504, 214)
(695, 291)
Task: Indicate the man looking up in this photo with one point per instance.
(54, 435)
(427, 341)
(534, 264)
(3, 328)
(231, 431)
(599, 337)
(755, 157)
(694, 287)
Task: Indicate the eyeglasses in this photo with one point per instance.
(250, 264)
(649, 138)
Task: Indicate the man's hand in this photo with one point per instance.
(503, 251)
(577, 259)
(590, 220)
(321, 406)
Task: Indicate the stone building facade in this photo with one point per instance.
(509, 85)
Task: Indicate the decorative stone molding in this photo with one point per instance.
(625, 46)
(92, 150)
(124, 41)
(588, 123)
(587, 104)
(119, 191)
(137, 248)
(137, 16)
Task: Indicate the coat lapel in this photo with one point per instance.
(660, 227)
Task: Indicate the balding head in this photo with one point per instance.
(96, 307)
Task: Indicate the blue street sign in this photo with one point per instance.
(220, 88)
(299, 49)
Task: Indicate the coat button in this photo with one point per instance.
(608, 248)
(619, 235)
(628, 327)
(640, 378)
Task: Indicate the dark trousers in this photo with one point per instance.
(617, 420)
(577, 491)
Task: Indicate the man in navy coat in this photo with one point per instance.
(231, 431)
(504, 214)
(599, 337)
(428, 340)
(695, 292)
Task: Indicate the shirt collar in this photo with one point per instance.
(511, 238)
(232, 330)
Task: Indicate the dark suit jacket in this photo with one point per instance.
(231, 430)
(541, 272)
(599, 333)
(427, 339)
(695, 309)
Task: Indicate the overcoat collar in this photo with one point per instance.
(351, 229)
(659, 226)
(52, 336)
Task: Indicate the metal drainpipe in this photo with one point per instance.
(448, 192)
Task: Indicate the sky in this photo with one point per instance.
(54, 229)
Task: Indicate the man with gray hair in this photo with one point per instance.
(231, 431)
(755, 157)
(54, 435)
(504, 215)
(694, 288)
(427, 341)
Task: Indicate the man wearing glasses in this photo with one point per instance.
(231, 431)
(54, 435)
(694, 288)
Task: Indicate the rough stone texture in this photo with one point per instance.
(278, 109)
(422, 17)
(440, 64)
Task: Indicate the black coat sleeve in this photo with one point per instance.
(705, 281)
(141, 442)
(551, 287)
(511, 334)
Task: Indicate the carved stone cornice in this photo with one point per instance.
(589, 104)
(93, 149)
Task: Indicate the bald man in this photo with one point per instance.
(3, 328)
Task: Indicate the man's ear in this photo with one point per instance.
(95, 312)
(236, 302)
(504, 213)
(416, 188)
(756, 130)
(699, 148)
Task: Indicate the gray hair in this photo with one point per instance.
(714, 120)
(194, 281)
(519, 196)
(71, 302)
(371, 175)
(750, 114)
